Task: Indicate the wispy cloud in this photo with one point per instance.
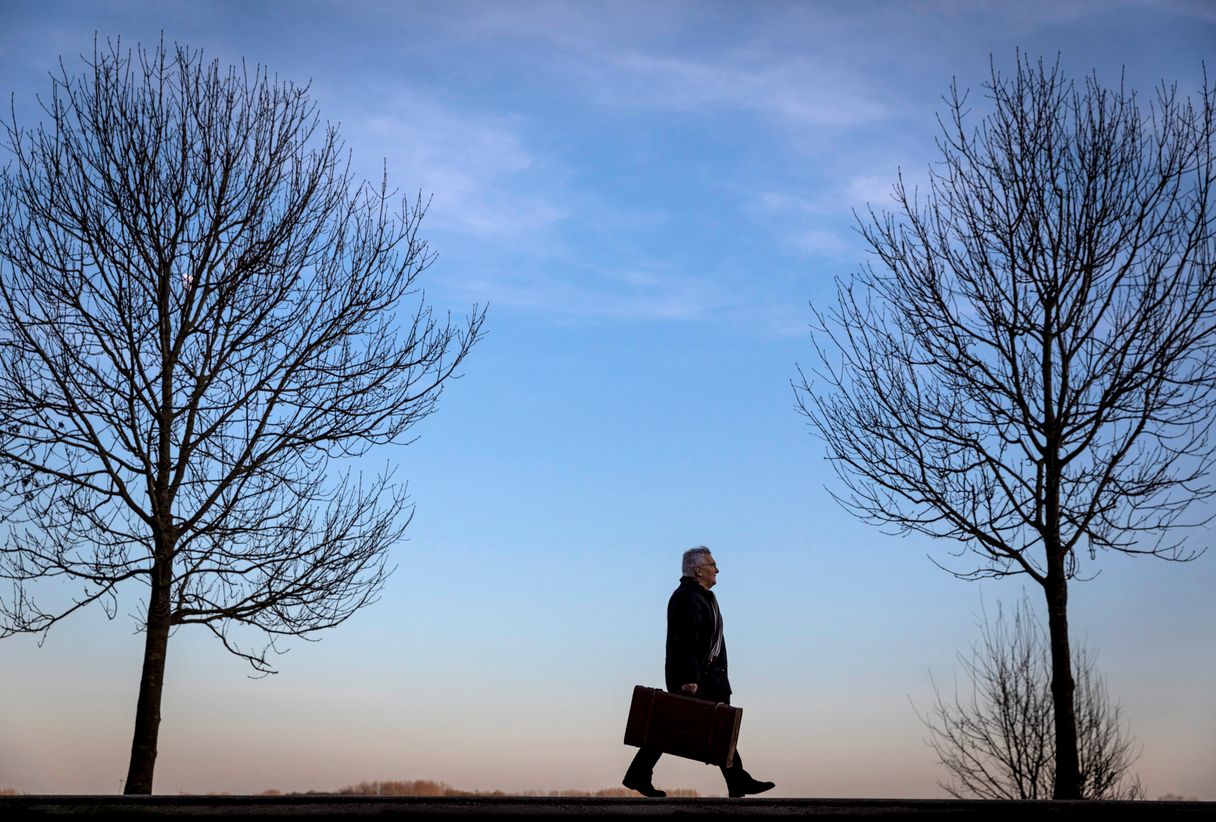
(485, 182)
(787, 89)
(870, 189)
(541, 241)
(524, 230)
(571, 292)
(1199, 9)
(647, 56)
(579, 293)
(822, 225)
(1030, 15)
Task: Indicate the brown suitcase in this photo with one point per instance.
(683, 726)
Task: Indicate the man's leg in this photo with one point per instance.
(640, 775)
(735, 775)
(740, 783)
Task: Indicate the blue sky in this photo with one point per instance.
(648, 195)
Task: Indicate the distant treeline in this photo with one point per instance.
(428, 787)
(424, 787)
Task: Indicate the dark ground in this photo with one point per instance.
(16, 807)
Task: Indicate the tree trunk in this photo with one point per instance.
(152, 679)
(1068, 767)
(151, 684)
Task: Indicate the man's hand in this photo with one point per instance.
(690, 688)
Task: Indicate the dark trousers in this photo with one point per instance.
(641, 769)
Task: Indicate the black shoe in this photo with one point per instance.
(750, 786)
(644, 788)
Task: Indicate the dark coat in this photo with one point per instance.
(690, 634)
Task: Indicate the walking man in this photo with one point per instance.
(696, 666)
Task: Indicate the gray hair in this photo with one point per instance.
(693, 557)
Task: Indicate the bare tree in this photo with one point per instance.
(1029, 369)
(998, 743)
(200, 312)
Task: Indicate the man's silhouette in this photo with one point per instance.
(696, 666)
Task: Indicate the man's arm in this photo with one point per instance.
(684, 640)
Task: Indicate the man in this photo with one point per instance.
(696, 666)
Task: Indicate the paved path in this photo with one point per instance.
(16, 807)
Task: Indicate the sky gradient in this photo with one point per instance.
(648, 196)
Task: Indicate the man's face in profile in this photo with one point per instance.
(707, 572)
